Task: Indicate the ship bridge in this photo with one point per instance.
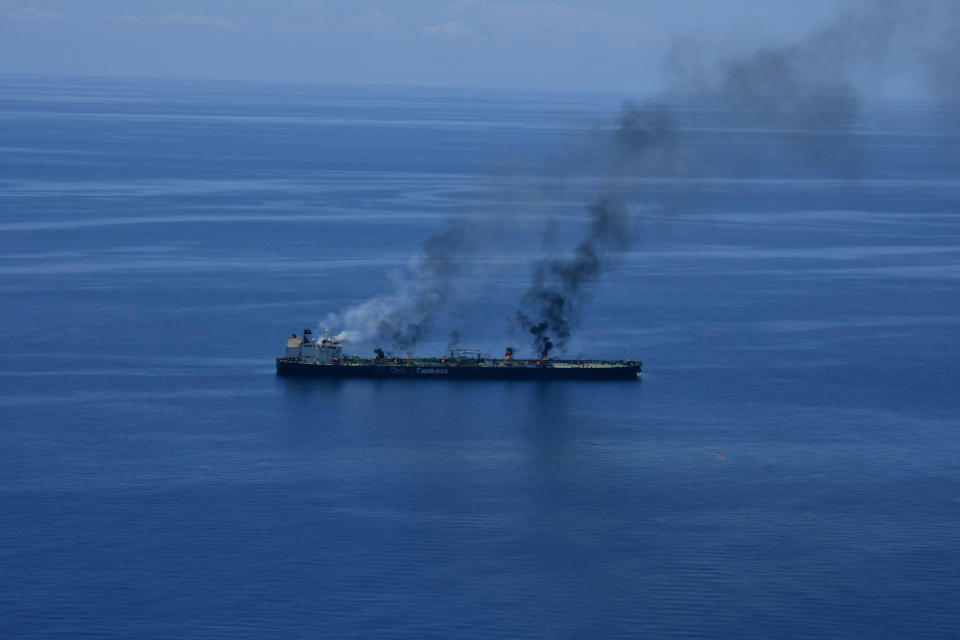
(307, 348)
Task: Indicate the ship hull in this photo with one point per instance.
(290, 367)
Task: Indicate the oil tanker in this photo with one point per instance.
(310, 356)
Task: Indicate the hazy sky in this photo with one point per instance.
(567, 44)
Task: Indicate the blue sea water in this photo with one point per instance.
(788, 466)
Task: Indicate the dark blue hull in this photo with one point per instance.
(625, 371)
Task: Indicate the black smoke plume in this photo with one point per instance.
(645, 143)
(803, 91)
(560, 286)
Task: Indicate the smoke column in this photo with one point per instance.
(404, 317)
(561, 285)
(805, 90)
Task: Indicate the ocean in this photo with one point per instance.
(788, 465)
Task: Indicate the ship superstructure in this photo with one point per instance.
(308, 355)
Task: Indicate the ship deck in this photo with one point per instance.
(509, 364)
